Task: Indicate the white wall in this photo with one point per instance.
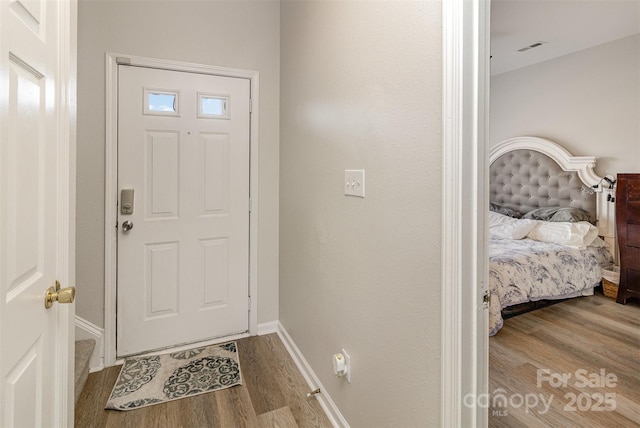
(589, 102)
(236, 34)
(361, 89)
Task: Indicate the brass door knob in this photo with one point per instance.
(61, 295)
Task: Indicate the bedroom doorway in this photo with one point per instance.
(183, 216)
(523, 103)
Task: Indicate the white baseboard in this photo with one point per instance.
(87, 330)
(267, 328)
(327, 404)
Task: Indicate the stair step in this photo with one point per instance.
(84, 349)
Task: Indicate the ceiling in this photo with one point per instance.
(565, 25)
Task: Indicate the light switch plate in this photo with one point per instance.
(354, 182)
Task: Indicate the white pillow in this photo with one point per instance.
(598, 242)
(577, 235)
(505, 227)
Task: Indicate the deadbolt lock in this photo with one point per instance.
(126, 201)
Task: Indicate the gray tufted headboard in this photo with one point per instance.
(529, 172)
(525, 180)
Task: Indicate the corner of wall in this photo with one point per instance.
(325, 401)
(87, 330)
(265, 328)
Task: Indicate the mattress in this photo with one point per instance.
(526, 270)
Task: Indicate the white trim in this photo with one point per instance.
(86, 330)
(66, 120)
(464, 359)
(583, 165)
(267, 328)
(325, 401)
(111, 196)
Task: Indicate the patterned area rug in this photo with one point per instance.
(144, 381)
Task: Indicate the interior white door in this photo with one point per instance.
(36, 363)
(183, 236)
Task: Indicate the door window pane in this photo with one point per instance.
(213, 106)
(165, 103)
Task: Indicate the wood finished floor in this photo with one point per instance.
(273, 394)
(589, 333)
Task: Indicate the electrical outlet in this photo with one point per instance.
(354, 182)
(347, 364)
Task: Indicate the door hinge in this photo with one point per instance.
(486, 299)
(250, 205)
(250, 105)
(249, 304)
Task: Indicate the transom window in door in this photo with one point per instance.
(161, 102)
(213, 106)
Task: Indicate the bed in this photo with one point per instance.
(556, 251)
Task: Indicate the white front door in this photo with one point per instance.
(183, 214)
(36, 187)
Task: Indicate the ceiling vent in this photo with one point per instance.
(535, 45)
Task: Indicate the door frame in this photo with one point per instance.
(111, 183)
(465, 341)
(64, 402)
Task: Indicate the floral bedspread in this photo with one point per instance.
(527, 270)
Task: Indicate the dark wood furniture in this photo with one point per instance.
(628, 227)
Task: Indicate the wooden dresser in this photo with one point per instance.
(628, 227)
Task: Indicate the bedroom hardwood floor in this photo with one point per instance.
(591, 334)
(273, 394)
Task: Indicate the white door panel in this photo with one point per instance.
(34, 215)
(183, 268)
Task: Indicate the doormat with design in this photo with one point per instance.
(144, 381)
